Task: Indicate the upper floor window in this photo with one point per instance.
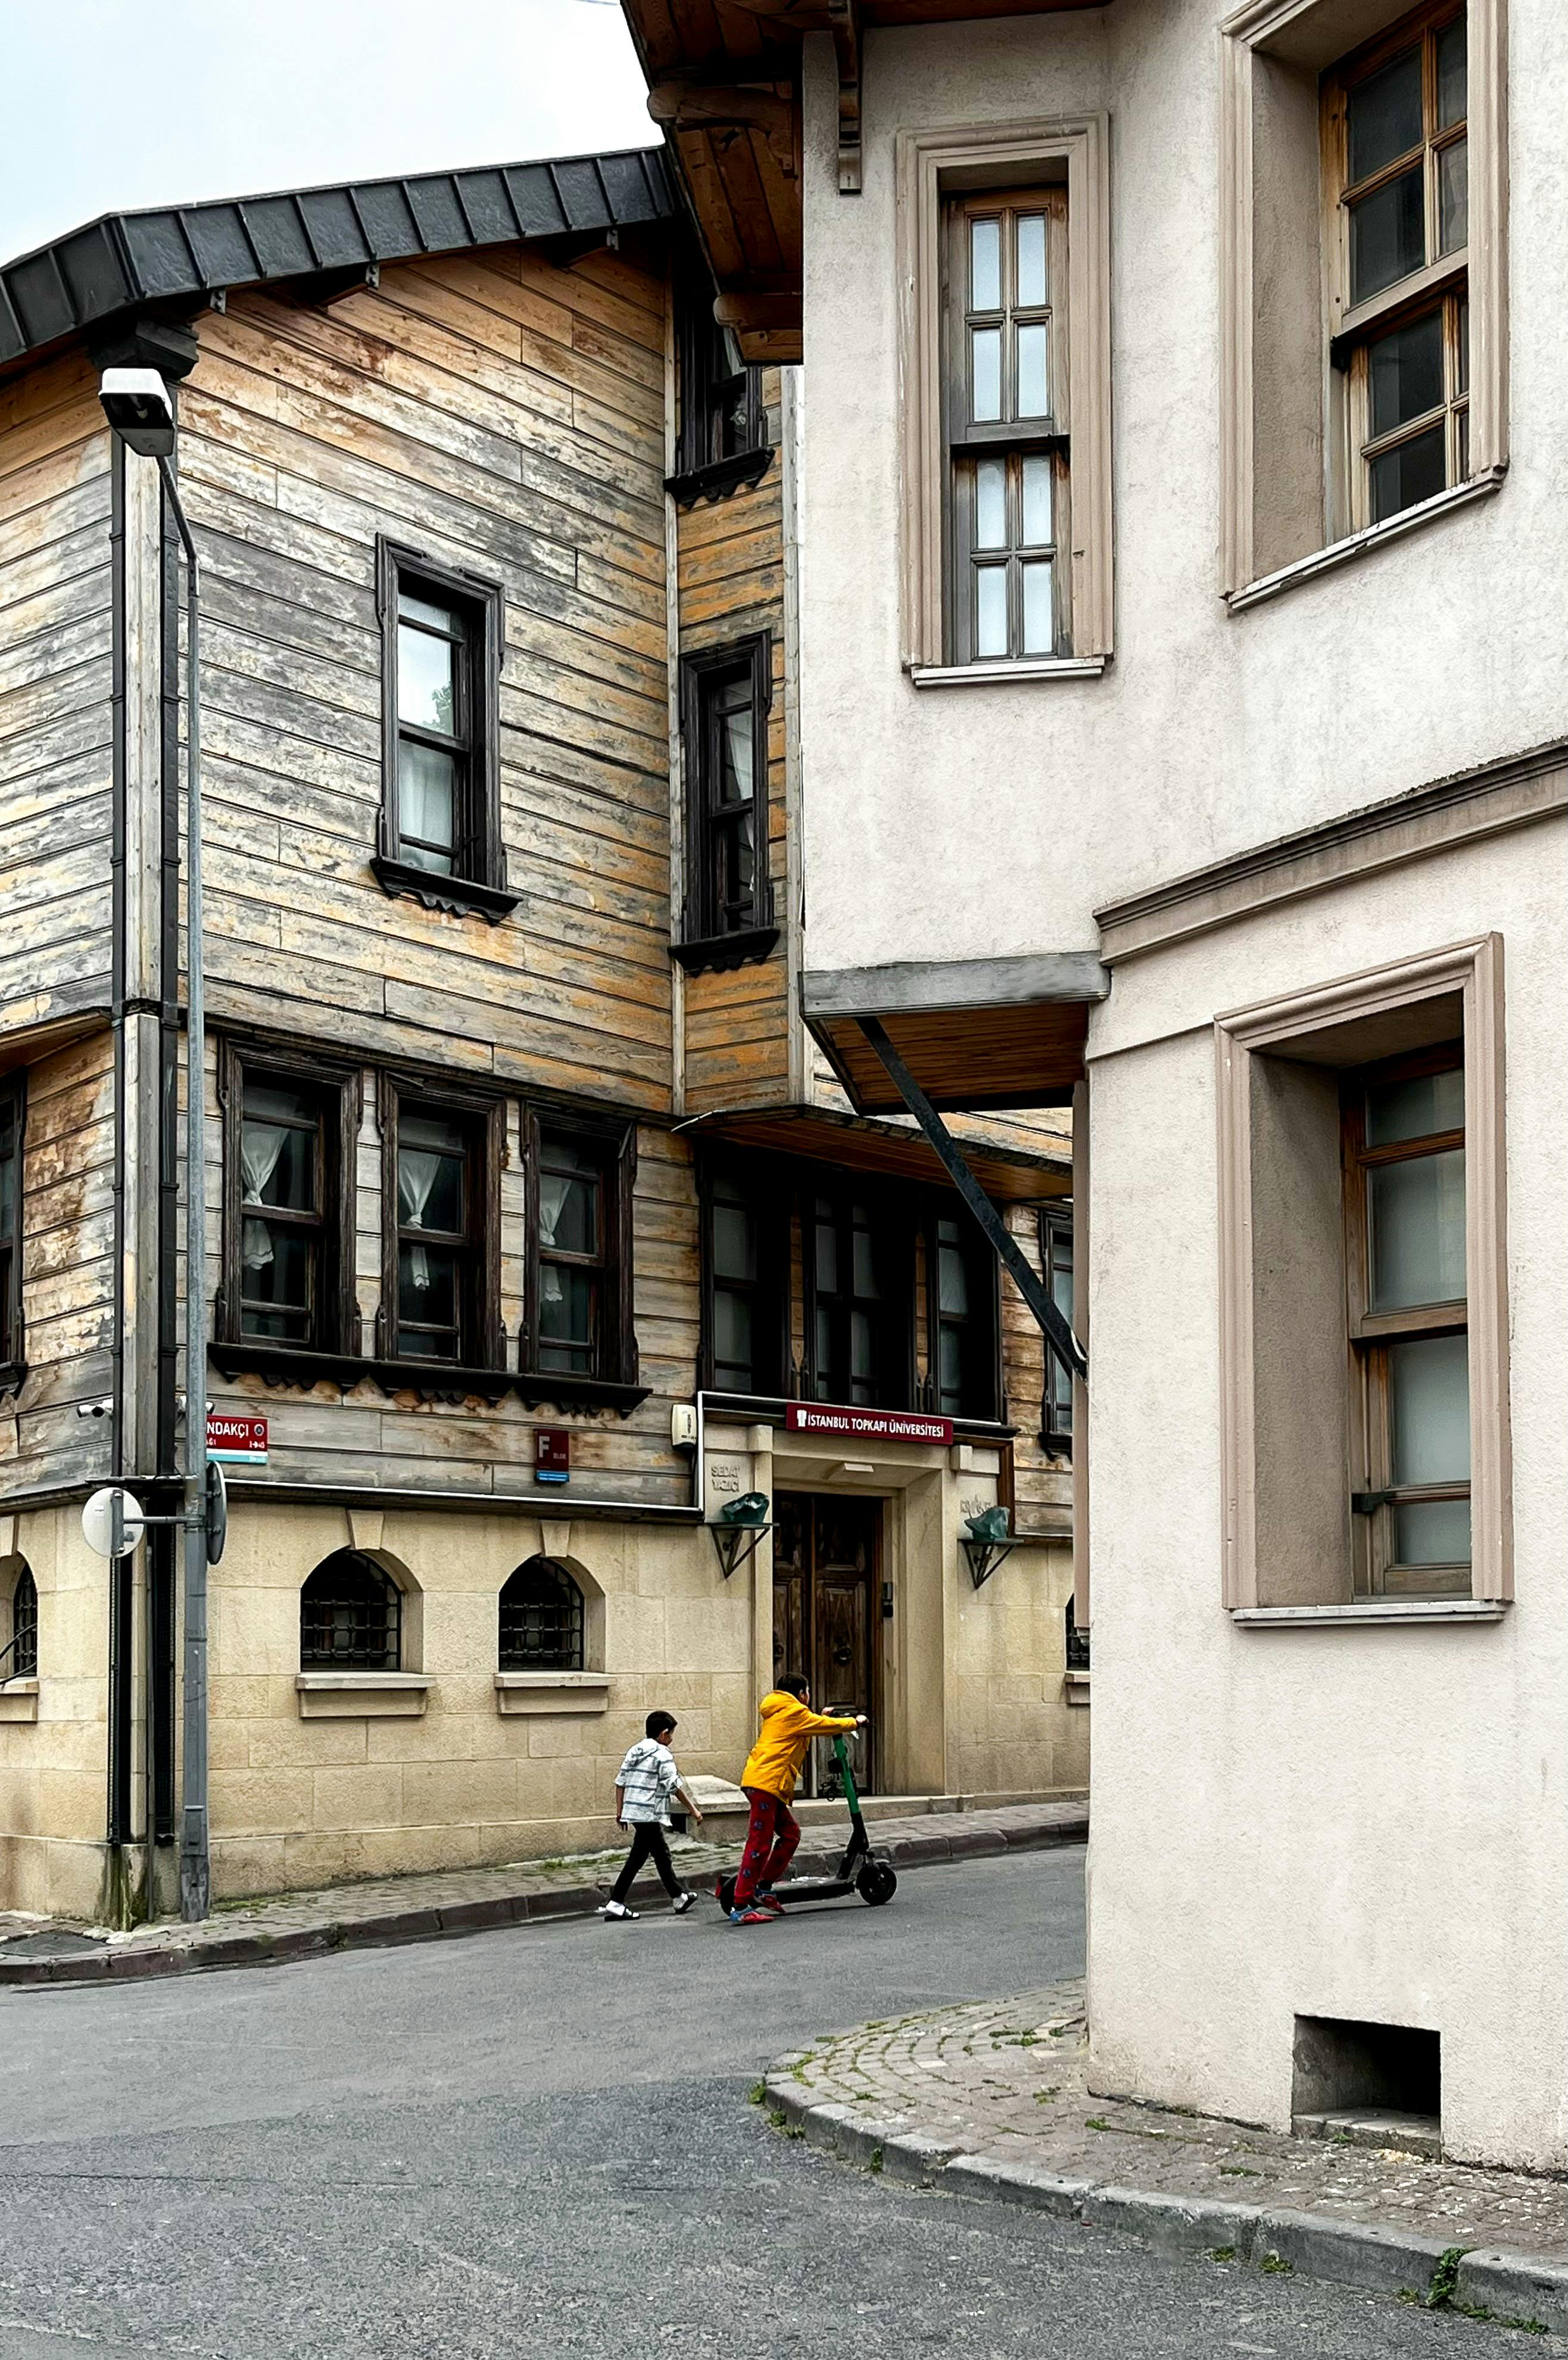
(961, 1279)
(12, 1102)
(1056, 1259)
(722, 441)
(1395, 130)
(860, 1297)
(1404, 1211)
(286, 1199)
(440, 814)
(1004, 254)
(746, 1249)
(580, 1277)
(725, 695)
(1007, 426)
(438, 1232)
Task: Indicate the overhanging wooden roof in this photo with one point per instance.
(723, 80)
(975, 1033)
(1010, 1175)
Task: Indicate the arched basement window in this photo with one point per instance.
(542, 1619)
(21, 1662)
(351, 1616)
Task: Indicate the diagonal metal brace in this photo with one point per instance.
(1049, 1320)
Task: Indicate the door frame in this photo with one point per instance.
(875, 1748)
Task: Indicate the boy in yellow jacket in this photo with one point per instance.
(772, 1766)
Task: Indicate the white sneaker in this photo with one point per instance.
(617, 1909)
(682, 1904)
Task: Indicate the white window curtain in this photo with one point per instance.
(261, 1146)
(417, 1175)
(554, 1189)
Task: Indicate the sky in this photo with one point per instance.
(111, 105)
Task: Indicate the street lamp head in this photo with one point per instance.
(139, 406)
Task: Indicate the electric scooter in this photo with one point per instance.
(860, 1870)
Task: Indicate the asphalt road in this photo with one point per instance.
(538, 2142)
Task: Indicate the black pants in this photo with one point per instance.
(648, 1844)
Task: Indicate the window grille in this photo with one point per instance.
(351, 1616)
(541, 1620)
(21, 1662)
(1077, 1644)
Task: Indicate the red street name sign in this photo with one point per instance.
(236, 1441)
(866, 1424)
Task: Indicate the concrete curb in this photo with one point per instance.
(257, 1948)
(1512, 2289)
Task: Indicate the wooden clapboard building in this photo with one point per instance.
(531, 1208)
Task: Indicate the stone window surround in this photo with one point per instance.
(1474, 970)
(1317, 33)
(972, 156)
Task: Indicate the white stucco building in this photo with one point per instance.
(1184, 725)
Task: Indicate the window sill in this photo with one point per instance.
(19, 1698)
(1008, 675)
(718, 952)
(462, 897)
(552, 1692)
(720, 478)
(1360, 544)
(1372, 1611)
(1075, 1686)
(362, 1696)
(440, 1380)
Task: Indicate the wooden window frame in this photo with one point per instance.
(770, 1291)
(701, 472)
(482, 1344)
(478, 884)
(1371, 1333)
(930, 166)
(1056, 1235)
(612, 1141)
(1309, 34)
(703, 944)
(893, 1227)
(983, 1272)
(1311, 1024)
(13, 1311)
(1011, 439)
(337, 1091)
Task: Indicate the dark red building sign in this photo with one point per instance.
(866, 1424)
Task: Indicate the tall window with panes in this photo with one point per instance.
(1056, 1257)
(438, 1235)
(1395, 134)
(10, 1225)
(283, 1229)
(1009, 533)
(1404, 1204)
(572, 1253)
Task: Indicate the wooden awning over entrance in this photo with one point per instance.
(976, 1034)
(1010, 1175)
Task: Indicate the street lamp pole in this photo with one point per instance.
(140, 408)
(195, 1856)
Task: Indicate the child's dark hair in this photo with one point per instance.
(658, 1723)
(794, 1684)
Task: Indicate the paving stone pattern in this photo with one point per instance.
(423, 1909)
(993, 2097)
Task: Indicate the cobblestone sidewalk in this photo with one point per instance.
(992, 2100)
(423, 1909)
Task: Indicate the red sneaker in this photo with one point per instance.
(752, 1917)
(769, 1903)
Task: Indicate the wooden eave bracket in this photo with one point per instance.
(843, 22)
(676, 105)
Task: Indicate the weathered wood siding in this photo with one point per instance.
(68, 1270)
(505, 416)
(730, 578)
(56, 708)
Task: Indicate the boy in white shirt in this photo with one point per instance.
(644, 1785)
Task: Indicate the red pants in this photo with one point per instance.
(770, 1840)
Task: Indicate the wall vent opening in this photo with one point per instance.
(1369, 2084)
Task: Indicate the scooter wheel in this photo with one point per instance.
(876, 1883)
(724, 1891)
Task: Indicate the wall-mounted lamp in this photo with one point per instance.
(739, 1528)
(987, 1542)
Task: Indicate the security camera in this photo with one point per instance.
(138, 405)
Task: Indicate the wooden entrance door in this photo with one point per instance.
(825, 1564)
